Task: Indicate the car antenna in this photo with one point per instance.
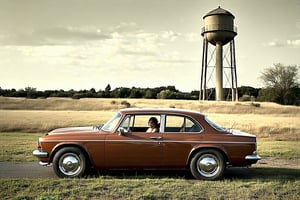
(233, 124)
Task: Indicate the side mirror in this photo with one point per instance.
(121, 131)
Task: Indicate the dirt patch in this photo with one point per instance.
(275, 162)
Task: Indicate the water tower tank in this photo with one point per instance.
(218, 26)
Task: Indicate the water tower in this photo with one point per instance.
(218, 30)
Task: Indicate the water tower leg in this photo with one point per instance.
(205, 70)
(202, 94)
(219, 72)
(233, 72)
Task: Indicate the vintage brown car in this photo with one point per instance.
(183, 139)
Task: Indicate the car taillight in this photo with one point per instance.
(39, 146)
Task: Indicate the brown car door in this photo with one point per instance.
(180, 136)
(136, 149)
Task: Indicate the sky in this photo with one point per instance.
(84, 44)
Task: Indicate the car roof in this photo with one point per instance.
(159, 110)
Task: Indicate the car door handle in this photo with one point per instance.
(156, 138)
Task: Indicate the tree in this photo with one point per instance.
(31, 92)
(149, 94)
(136, 93)
(280, 83)
(247, 90)
(165, 94)
(107, 90)
(121, 92)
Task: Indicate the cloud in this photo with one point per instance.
(192, 37)
(169, 35)
(74, 33)
(275, 44)
(293, 43)
(124, 27)
(121, 49)
(53, 36)
(287, 43)
(176, 57)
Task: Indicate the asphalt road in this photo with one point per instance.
(25, 170)
(34, 170)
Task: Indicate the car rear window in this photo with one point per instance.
(176, 123)
(214, 125)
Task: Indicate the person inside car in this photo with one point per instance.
(153, 125)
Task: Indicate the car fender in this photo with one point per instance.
(207, 146)
(59, 146)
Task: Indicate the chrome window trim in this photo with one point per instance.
(185, 116)
(162, 123)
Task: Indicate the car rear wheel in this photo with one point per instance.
(207, 164)
(70, 162)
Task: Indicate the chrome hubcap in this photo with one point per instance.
(69, 164)
(208, 165)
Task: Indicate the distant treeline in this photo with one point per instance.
(169, 92)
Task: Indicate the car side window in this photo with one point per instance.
(138, 123)
(181, 124)
(190, 126)
(174, 123)
(126, 124)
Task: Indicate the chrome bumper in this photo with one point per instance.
(40, 154)
(253, 157)
(45, 163)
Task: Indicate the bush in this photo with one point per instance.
(126, 104)
(255, 104)
(245, 97)
(76, 96)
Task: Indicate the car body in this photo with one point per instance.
(185, 140)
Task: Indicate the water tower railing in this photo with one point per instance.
(218, 27)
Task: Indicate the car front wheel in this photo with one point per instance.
(70, 162)
(208, 165)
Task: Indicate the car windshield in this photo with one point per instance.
(214, 125)
(111, 124)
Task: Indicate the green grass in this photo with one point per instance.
(149, 188)
(18, 146)
(282, 149)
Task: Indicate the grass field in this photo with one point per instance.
(154, 187)
(277, 127)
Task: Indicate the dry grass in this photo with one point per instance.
(269, 120)
(43, 120)
(90, 104)
(7, 103)
(280, 127)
